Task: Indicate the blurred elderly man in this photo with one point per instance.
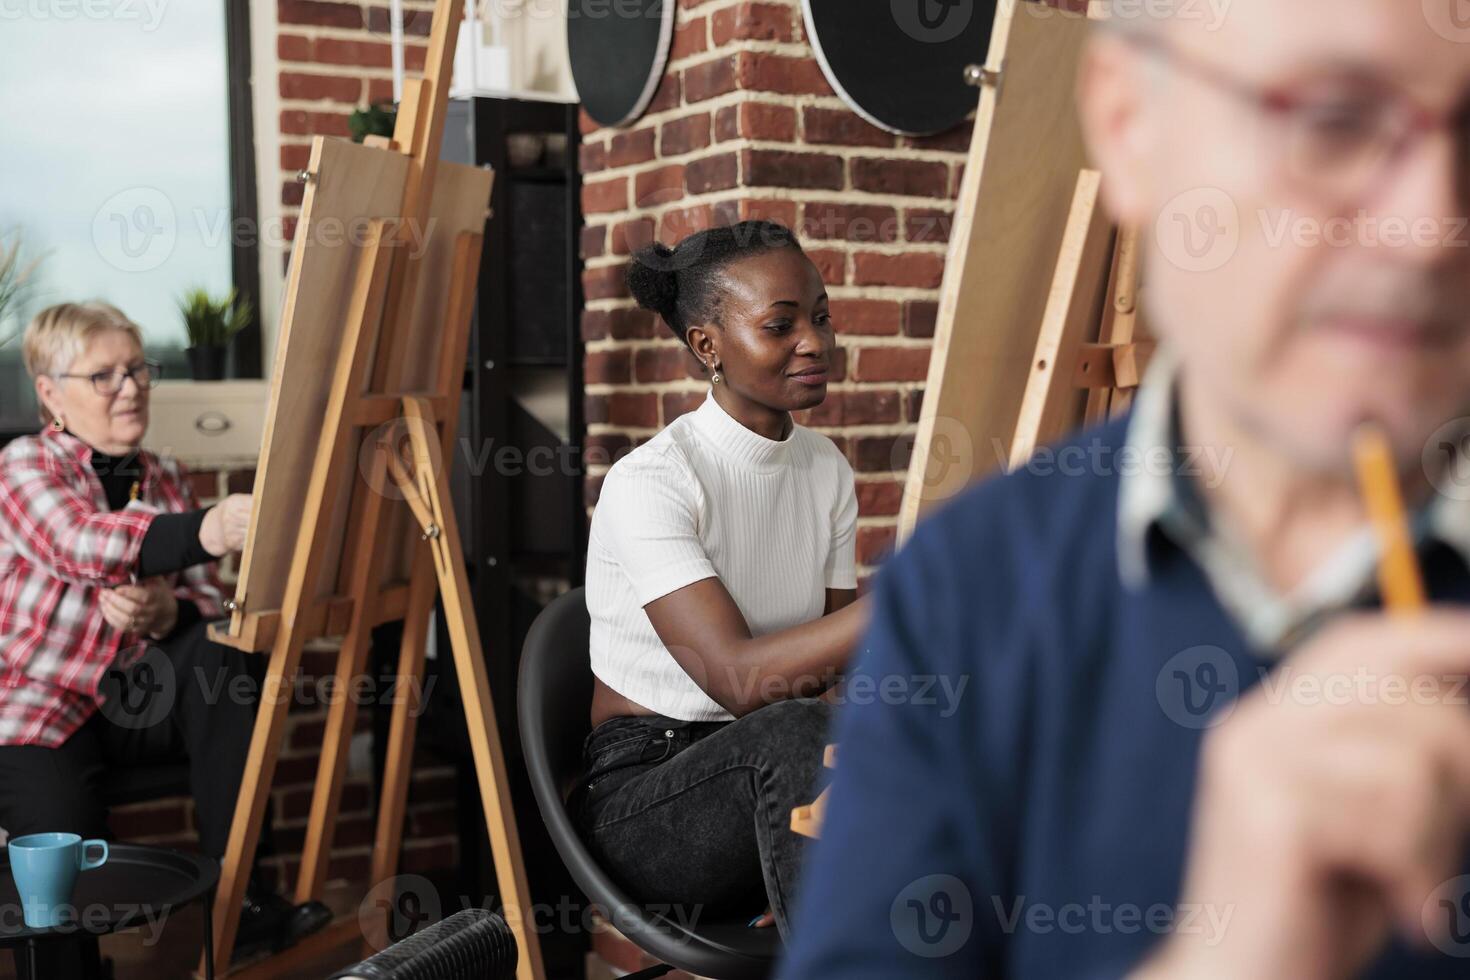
(1192, 743)
(107, 583)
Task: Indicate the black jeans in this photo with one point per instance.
(182, 699)
(696, 816)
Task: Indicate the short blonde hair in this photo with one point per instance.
(59, 334)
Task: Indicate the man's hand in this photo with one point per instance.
(148, 607)
(1332, 805)
(225, 524)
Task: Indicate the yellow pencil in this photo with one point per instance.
(1399, 578)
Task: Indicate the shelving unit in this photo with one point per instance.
(520, 474)
(516, 477)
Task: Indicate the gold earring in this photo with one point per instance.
(57, 424)
(715, 377)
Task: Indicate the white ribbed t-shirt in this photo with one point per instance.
(774, 520)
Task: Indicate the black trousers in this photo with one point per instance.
(694, 818)
(188, 697)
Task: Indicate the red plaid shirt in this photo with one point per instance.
(59, 544)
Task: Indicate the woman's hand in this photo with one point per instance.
(225, 524)
(148, 607)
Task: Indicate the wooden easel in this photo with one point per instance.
(370, 363)
(1123, 347)
(1038, 318)
(807, 820)
(1091, 350)
(1037, 327)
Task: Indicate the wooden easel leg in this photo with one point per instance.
(1050, 400)
(398, 764)
(474, 682)
(1098, 398)
(255, 786)
(1124, 306)
(342, 712)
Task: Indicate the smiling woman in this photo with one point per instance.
(721, 586)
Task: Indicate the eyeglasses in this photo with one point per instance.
(1341, 147)
(144, 375)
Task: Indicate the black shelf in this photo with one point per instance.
(526, 337)
(553, 175)
(523, 525)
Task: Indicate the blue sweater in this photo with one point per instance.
(1017, 752)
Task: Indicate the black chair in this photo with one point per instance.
(555, 701)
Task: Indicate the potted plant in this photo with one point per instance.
(15, 280)
(376, 120)
(210, 322)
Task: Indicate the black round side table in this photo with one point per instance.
(137, 885)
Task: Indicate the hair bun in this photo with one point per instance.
(653, 280)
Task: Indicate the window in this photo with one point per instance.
(129, 168)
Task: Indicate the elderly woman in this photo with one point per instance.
(107, 581)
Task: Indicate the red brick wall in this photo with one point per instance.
(744, 125)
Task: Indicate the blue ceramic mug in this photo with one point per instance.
(45, 867)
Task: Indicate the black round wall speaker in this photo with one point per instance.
(900, 63)
(617, 50)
